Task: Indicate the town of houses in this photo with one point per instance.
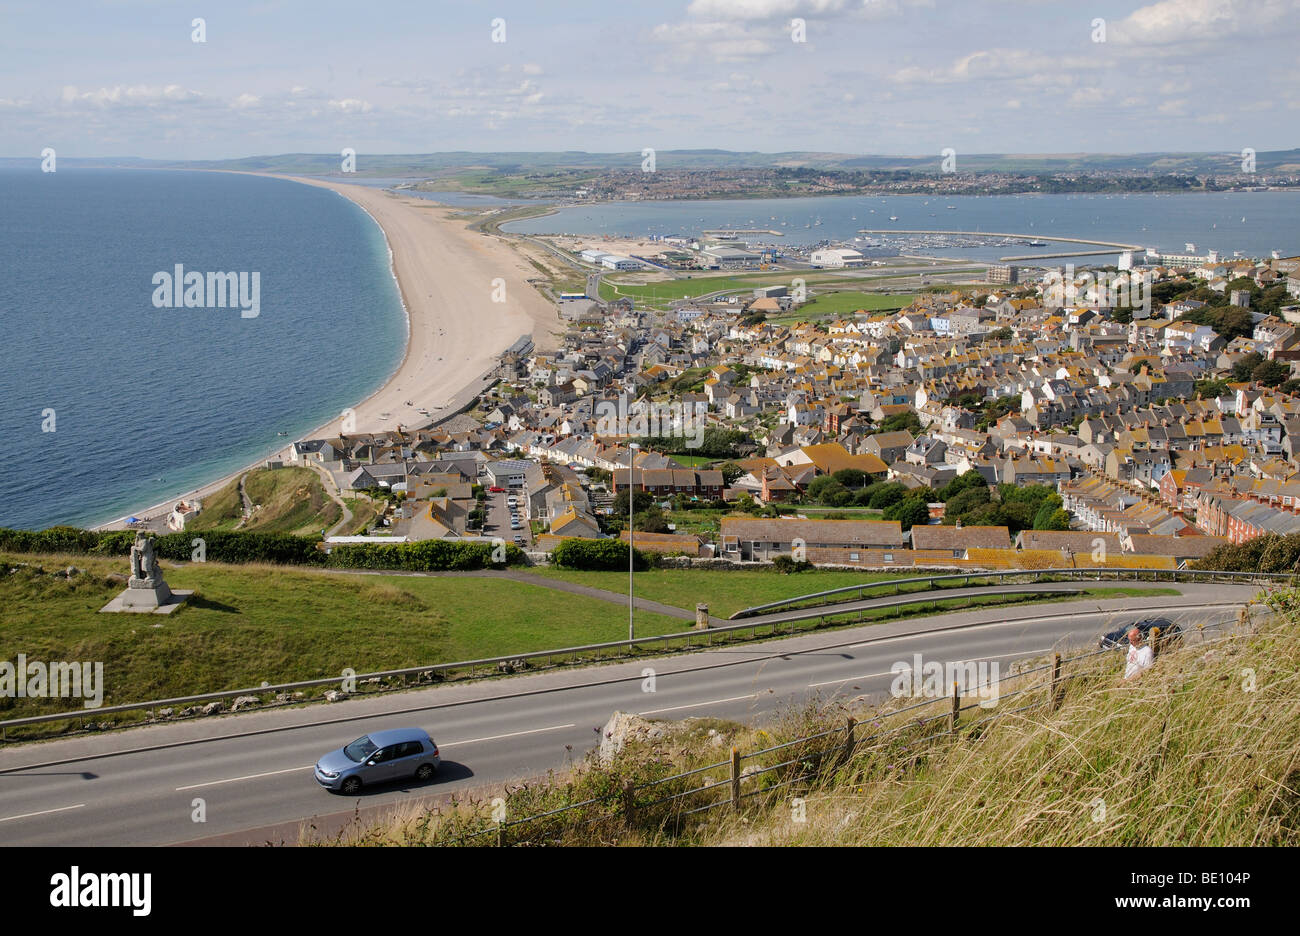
(1022, 391)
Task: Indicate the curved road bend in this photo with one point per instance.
(254, 770)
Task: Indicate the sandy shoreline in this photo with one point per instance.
(448, 277)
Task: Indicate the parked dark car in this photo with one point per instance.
(1118, 638)
(378, 757)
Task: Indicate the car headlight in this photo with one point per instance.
(328, 774)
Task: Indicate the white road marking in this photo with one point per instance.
(513, 734)
(674, 708)
(43, 812)
(272, 773)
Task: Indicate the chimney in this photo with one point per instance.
(959, 523)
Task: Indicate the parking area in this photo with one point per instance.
(500, 513)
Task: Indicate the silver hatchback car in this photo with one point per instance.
(379, 757)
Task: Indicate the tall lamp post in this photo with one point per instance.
(632, 449)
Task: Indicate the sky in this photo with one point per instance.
(911, 77)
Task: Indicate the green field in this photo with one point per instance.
(249, 624)
(662, 293)
(694, 461)
(725, 592)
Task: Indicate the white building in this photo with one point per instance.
(836, 257)
(615, 262)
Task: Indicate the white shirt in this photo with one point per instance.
(1139, 658)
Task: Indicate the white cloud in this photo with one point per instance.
(129, 96)
(1176, 21)
(351, 106)
(762, 9)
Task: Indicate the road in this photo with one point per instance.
(253, 771)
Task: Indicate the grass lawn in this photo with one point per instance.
(703, 521)
(835, 513)
(701, 284)
(725, 592)
(247, 624)
(694, 461)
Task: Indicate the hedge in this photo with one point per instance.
(596, 554)
(278, 548)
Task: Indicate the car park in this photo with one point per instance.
(378, 757)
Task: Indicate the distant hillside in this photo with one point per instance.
(433, 164)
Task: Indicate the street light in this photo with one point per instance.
(632, 449)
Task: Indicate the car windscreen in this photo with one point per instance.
(360, 749)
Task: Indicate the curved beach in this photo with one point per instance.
(448, 276)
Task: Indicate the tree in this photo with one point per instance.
(886, 495)
(651, 521)
(1270, 373)
(965, 501)
(1211, 388)
(731, 472)
(1245, 365)
(642, 502)
(823, 487)
(1057, 520)
(1045, 518)
(909, 512)
(966, 481)
(908, 421)
(852, 477)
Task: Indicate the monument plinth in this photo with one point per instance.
(146, 592)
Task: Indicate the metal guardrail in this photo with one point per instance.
(843, 744)
(703, 636)
(1096, 573)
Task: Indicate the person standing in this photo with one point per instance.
(1140, 655)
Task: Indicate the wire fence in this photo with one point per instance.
(806, 761)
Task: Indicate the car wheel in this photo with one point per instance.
(424, 772)
(351, 786)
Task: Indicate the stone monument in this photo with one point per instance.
(145, 590)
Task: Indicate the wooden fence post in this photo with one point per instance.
(849, 739)
(629, 804)
(956, 705)
(501, 835)
(735, 778)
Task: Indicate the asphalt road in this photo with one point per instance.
(254, 770)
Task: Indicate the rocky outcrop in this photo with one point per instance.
(621, 728)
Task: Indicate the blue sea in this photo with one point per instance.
(147, 402)
(1254, 223)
